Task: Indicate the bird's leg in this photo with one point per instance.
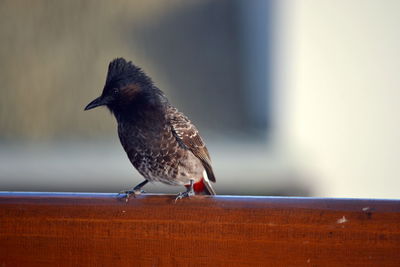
(189, 192)
(137, 190)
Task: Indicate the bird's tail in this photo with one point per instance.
(203, 187)
(208, 189)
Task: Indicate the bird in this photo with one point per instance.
(160, 141)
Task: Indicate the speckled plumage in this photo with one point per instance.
(161, 142)
(155, 148)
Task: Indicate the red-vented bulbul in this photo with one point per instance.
(160, 141)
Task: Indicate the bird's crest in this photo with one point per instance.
(124, 72)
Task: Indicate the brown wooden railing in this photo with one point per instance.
(39, 229)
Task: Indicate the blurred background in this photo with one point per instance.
(297, 98)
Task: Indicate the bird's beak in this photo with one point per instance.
(95, 103)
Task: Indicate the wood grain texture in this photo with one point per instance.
(39, 229)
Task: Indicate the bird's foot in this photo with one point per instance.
(128, 193)
(184, 195)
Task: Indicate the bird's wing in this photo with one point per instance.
(188, 136)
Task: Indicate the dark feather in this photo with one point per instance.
(122, 72)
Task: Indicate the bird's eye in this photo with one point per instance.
(115, 91)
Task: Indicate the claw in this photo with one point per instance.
(182, 195)
(188, 193)
(137, 190)
(128, 193)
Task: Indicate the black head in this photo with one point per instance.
(124, 84)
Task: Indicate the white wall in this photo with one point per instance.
(338, 91)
